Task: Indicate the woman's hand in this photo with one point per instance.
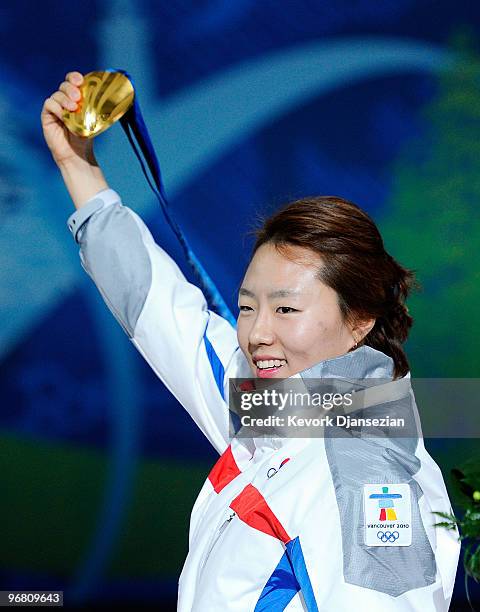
(73, 154)
(65, 146)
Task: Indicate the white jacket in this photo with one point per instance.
(301, 537)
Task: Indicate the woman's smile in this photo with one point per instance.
(268, 366)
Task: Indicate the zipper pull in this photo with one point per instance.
(217, 536)
(225, 523)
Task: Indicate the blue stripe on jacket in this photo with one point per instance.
(218, 372)
(289, 577)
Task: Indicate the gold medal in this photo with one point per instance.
(105, 98)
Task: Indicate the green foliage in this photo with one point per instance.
(450, 523)
(467, 493)
(432, 225)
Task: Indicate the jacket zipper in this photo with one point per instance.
(220, 530)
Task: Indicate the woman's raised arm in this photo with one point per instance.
(191, 349)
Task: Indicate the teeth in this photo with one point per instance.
(271, 363)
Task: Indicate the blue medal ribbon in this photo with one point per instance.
(137, 133)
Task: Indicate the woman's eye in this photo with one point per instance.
(287, 309)
(245, 308)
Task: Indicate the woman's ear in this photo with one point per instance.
(361, 328)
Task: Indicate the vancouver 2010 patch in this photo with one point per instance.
(388, 514)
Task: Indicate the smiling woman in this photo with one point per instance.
(299, 326)
(323, 260)
(335, 522)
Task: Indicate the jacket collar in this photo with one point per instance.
(364, 362)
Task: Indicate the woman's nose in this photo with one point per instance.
(262, 331)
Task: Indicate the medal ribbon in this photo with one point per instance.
(136, 130)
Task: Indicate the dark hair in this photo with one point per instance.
(368, 281)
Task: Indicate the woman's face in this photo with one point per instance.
(289, 320)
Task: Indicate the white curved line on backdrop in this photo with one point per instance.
(191, 130)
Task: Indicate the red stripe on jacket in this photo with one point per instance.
(224, 471)
(252, 508)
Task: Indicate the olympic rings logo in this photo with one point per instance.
(388, 536)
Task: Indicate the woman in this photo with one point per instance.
(281, 523)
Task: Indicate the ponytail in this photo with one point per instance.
(368, 281)
(393, 325)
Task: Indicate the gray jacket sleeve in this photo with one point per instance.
(191, 349)
(112, 254)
